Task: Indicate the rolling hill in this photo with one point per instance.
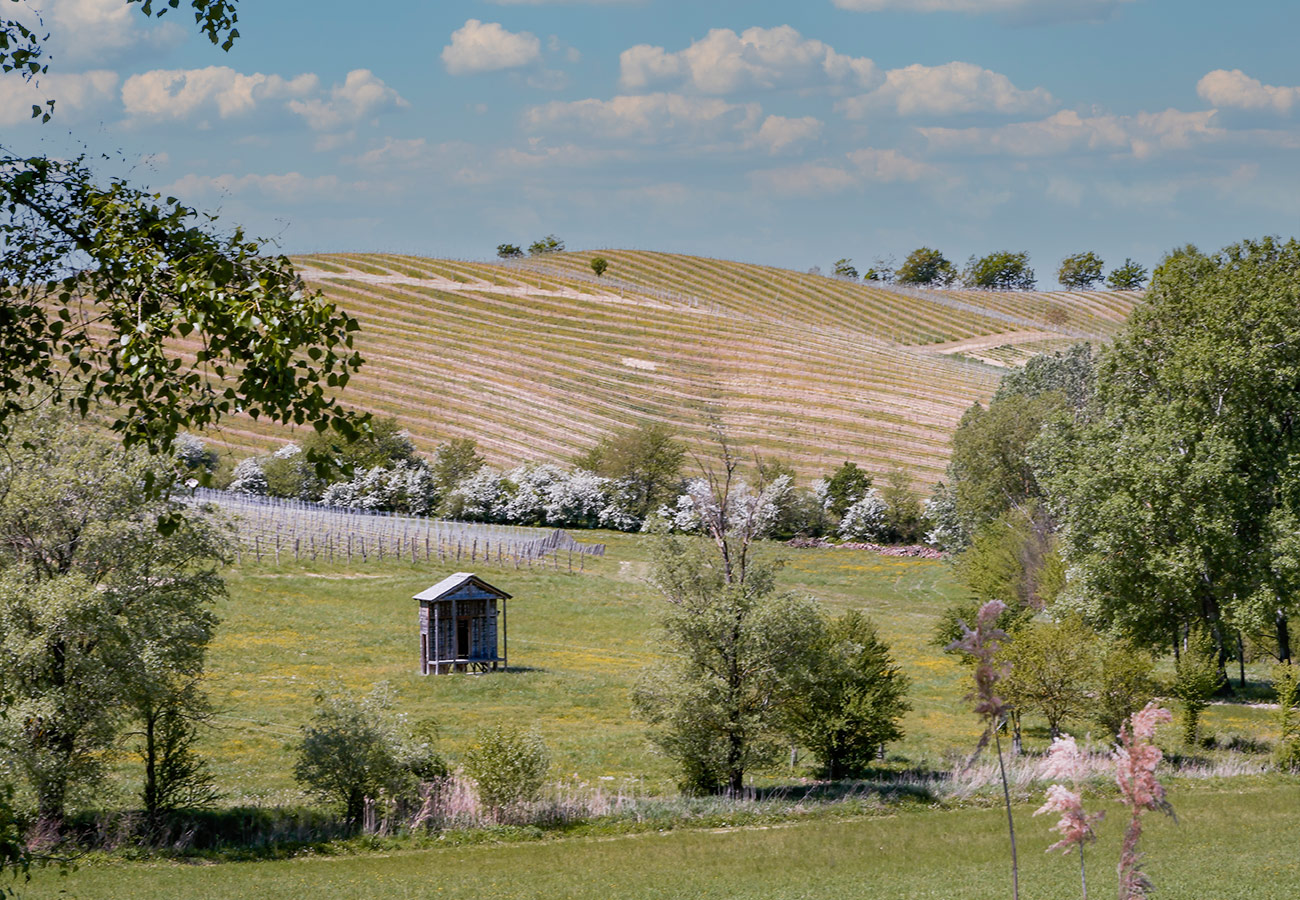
(537, 358)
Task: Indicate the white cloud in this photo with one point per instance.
(1067, 132)
(76, 94)
(888, 166)
(288, 187)
(807, 180)
(949, 89)
(181, 93)
(723, 62)
(1237, 90)
(1050, 10)
(87, 32)
(361, 94)
(778, 133)
(648, 117)
(487, 47)
(394, 152)
(867, 165)
(175, 94)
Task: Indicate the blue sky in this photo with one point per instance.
(785, 133)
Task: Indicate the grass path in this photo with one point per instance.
(1230, 843)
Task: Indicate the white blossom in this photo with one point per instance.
(248, 478)
(865, 519)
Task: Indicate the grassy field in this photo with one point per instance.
(536, 360)
(577, 644)
(1231, 842)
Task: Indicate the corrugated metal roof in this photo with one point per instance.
(454, 582)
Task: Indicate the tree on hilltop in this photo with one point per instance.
(545, 245)
(1002, 270)
(844, 269)
(1128, 277)
(509, 251)
(598, 265)
(1080, 271)
(926, 266)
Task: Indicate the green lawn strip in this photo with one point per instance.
(1232, 841)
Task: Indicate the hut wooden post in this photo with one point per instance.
(434, 643)
(505, 639)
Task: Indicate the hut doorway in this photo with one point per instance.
(462, 637)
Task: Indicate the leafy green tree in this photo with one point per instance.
(1002, 270)
(904, 518)
(730, 636)
(1128, 277)
(846, 485)
(646, 460)
(1080, 271)
(100, 615)
(1051, 667)
(508, 766)
(598, 265)
(509, 251)
(1197, 677)
(454, 461)
(882, 269)
(844, 269)
(545, 245)
(105, 286)
(1125, 684)
(849, 699)
(1179, 491)
(1286, 683)
(169, 713)
(356, 749)
(926, 266)
(1013, 558)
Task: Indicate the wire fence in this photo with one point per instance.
(274, 528)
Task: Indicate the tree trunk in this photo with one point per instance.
(1241, 662)
(151, 762)
(1283, 637)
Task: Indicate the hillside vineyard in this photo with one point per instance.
(538, 358)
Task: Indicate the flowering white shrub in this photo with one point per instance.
(406, 487)
(481, 497)
(248, 478)
(616, 513)
(759, 511)
(576, 500)
(192, 453)
(533, 486)
(865, 519)
(288, 451)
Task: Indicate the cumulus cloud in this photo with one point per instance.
(175, 94)
(1048, 10)
(949, 89)
(1067, 132)
(723, 62)
(865, 166)
(487, 47)
(288, 187)
(87, 32)
(181, 93)
(361, 94)
(777, 133)
(647, 117)
(77, 94)
(1237, 90)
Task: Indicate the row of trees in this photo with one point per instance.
(1152, 491)
(1000, 270)
(540, 247)
(628, 478)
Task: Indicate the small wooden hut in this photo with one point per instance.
(458, 626)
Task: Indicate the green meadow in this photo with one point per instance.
(1230, 842)
(577, 643)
